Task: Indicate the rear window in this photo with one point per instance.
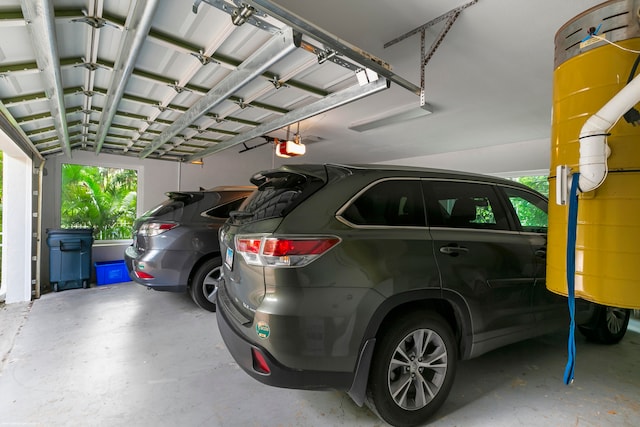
(175, 202)
(276, 196)
(224, 210)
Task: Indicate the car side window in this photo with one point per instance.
(222, 211)
(530, 210)
(393, 203)
(459, 204)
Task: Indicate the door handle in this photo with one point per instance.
(541, 253)
(453, 250)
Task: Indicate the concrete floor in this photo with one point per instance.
(120, 355)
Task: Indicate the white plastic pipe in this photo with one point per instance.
(593, 143)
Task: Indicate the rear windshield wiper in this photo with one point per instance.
(240, 214)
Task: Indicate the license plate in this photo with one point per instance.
(228, 259)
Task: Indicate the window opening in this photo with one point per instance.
(101, 198)
(389, 203)
(530, 210)
(465, 205)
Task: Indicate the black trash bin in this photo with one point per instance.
(69, 258)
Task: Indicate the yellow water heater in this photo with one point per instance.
(588, 73)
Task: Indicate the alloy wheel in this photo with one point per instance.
(417, 369)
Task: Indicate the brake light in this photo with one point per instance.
(248, 245)
(143, 275)
(283, 251)
(154, 228)
(287, 247)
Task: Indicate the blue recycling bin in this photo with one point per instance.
(69, 257)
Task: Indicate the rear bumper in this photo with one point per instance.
(165, 277)
(241, 348)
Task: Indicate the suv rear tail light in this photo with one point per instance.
(142, 275)
(283, 251)
(154, 228)
(259, 362)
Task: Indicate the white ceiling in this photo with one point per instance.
(488, 83)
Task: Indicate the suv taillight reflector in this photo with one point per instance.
(154, 228)
(259, 362)
(287, 247)
(143, 275)
(248, 245)
(283, 251)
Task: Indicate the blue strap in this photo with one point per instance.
(571, 277)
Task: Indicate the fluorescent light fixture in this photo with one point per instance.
(365, 75)
(392, 117)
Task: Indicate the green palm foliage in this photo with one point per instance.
(100, 198)
(531, 216)
(538, 183)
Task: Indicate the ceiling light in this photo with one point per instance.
(392, 117)
(365, 75)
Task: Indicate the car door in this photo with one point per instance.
(482, 258)
(391, 237)
(530, 211)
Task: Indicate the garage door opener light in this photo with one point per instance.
(290, 148)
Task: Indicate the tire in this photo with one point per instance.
(398, 367)
(204, 285)
(607, 326)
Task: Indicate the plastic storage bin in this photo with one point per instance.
(69, 258)
(108, 272)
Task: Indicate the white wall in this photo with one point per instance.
(16, 223)
(509, 160)
(229, 167)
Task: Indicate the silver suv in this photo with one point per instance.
(377, 280)
(175, 244)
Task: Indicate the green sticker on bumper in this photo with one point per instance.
(263, 330)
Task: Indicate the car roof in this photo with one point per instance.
(410, 171)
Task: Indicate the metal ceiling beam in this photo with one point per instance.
(330, 41)
(41, 26)
(330, 102)
(137, 27)
(279, 46)
(11, 127)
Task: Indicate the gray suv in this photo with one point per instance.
(175, 244)
(377, 280)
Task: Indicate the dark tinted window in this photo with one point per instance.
(270, 202)
(388, 203)
(464, 205)
(222, 211)
(530, 209)
(276, 196)
(172, 207)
